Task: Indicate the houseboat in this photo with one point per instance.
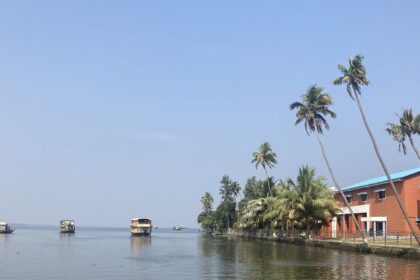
(67, 226)
(5, 228)
(141, 226)
(177, 227)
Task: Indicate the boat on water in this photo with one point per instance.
(177, 227)
(67, 226)
(141, 227)
(6, 228)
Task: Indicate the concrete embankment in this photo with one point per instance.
(402, 252)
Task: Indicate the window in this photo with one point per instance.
(418, 213)
(363, 196)
(381, 194)
(348, 198)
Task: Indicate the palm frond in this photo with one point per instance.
(315, 104)
(295, 105)
(354, 76)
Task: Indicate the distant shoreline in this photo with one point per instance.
(84, 227)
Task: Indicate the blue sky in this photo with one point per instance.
(115, 109)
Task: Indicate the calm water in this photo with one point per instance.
(113, 254)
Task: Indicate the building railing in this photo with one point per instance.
(383, 238)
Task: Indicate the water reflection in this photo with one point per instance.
(227, 257)
(3, 240)
(66, 236)
(138, 243)
(220, 257)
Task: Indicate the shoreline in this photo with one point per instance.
(391, 251)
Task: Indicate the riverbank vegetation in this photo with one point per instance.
(306, 204)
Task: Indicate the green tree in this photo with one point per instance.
(226, 211)
(277, 212)
(408, 126)
(269, 187)
(225, 214)
(229, 189)
(309, 204)
(207, 217)
(251, 216)
(253, 189)
(314, 204)
(208, 221)
(312, 111)
(207, 201)
(354, 77)
(266, 158)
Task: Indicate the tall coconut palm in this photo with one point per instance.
(266, 158)
(409, 125)
(312, 112)
(354, 77)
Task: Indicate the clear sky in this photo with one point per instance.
(116, 109)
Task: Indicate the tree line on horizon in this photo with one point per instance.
(307, 203)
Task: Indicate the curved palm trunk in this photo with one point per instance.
(268, 182)
(414, 146)
(338, 187)
(378, 154)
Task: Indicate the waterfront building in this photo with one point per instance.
(376, 208)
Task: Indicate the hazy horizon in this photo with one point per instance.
(113, 110)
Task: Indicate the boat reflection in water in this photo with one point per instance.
(139, 243)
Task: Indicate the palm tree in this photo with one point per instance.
(207, 201)
(355, 77)
(308, 204)
(251, 216)
(312, 112)
(316, 203)
(269, 186)
(206, 218)
(397, 134)
(266, 158)
(408, 126)
(278, 208)
(253, 189)
(229, 191)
